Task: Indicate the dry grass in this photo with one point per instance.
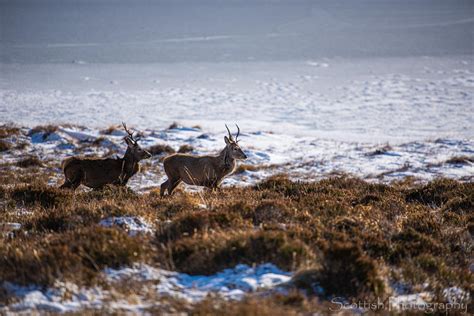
(31, 161)
(8, 130)
(160, 150)
(46, 129)
(462, 160)
(346, 235)
(185, 149)
(4, 145)
(110, 130)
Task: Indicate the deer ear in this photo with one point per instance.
(226, 139)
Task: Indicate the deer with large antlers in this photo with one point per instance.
(97, 172)
(207, 171)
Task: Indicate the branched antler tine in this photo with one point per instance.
(130, 134)
(238, 133)
(230, 135)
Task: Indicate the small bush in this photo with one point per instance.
(185, 149)
(380, 151)
(438, 192)
(281, 184)
(160, 149)
(8, 130)
(210, 255)
(4, 145)
(347, 271)
(31, 161)
(39, 194)
(243, 168)
(460, 160)
(270, 212)
(190, 223)
(77, 256)
(110, 130)
(173, 125)
(46, 129)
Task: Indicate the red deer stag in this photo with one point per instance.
(96, 172)
(207, 171)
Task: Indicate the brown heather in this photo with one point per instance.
(8, 130)
(346, 235)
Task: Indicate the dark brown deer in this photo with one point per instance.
(207, 171)
(97, 172)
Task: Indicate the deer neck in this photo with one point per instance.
(225, 160)
(128, 166)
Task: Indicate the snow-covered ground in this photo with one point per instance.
(67, 297)
(230, 284)
(302, 157)
(372, 100)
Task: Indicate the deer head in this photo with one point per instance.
(134, 149)
(232, 146)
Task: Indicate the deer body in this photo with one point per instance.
(96, 173)
(207, 171)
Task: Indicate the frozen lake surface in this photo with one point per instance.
(118, 31)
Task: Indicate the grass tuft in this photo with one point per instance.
(160, 149)
(45, 196)
(8, 130)
(4, 145)
(210, 254)
(77, 256)
(31, 161)
(183, 149)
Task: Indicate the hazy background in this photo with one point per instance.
(60, 31)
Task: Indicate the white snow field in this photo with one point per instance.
(229, 284)
(376, 89)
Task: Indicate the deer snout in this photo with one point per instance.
(244, 156)
(146, 154)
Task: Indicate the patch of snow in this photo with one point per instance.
(230, 283)
(132, 224)
(416, 301)
(456, 295)
(63, 297)
(7, 229)
(42, 137)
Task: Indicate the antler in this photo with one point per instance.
(130, 134)
(230, 135)
(238, 133)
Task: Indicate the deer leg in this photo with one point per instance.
(66, 185)
(163, 188)
(72, 183)
(172, 185)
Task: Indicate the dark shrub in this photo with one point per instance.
(460, 160)
(213, 254)
(190, 223)
(185, 149)
(4, 145)
(39, 194)
(77, 256)
(31, 161)
(347, 271)
(8, 130)
(45, 129)
(160, 149)
(438, 192)
(270, 212)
